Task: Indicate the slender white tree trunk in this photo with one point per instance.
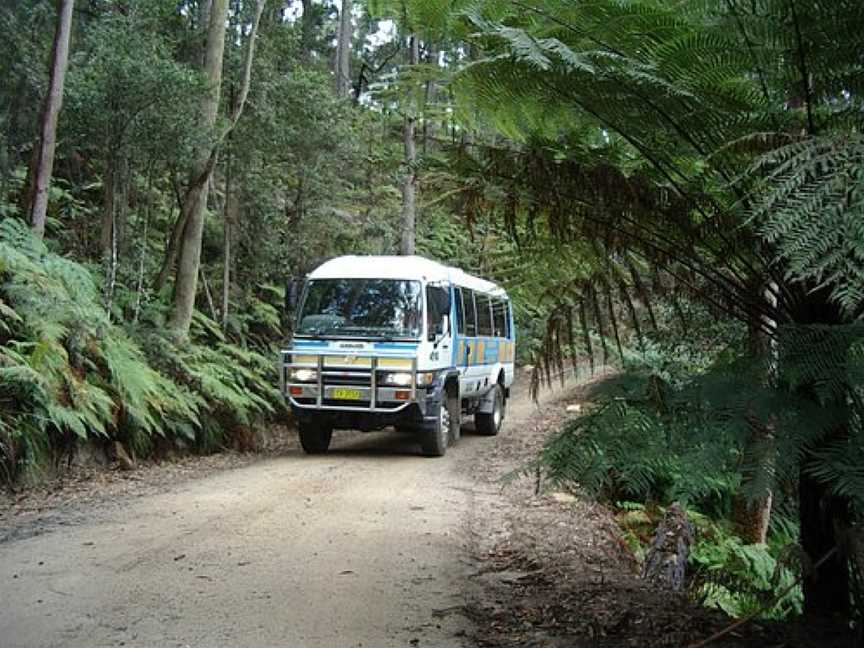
(409, 180)
(228, 212)
(44, 159)
(343, 50)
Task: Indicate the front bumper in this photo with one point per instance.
(347, 389)
(340, 372)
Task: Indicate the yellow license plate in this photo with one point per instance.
(347, 394)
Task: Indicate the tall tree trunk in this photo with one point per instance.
(43, 166)
(106, 231)
(752, 515)
(145, 247)
(169, 261)
(108, 235)
(409, 181)
(430, 99)
(825, 516)
(343, 50)
(307, 33)
(195, 201)
(228, 213)
(203, 28)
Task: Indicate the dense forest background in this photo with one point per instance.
(673, 187)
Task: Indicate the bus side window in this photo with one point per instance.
(460, 313)
(484, 314)
(470, 314)
(499, 317)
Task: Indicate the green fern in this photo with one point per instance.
(68, 374)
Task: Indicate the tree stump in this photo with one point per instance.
(666, 560)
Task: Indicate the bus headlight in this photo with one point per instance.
(396, 378)
(303, 375)
(403, 378)
(425, 378)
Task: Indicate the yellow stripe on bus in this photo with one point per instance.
(394, 362)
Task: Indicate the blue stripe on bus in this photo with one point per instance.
(400, 346)
(385, 346)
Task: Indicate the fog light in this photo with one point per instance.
(403, 395)
(295, 391)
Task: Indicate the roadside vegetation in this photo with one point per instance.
(675, 188)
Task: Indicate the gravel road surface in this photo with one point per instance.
(366, 546)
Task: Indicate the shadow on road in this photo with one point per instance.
(389, 443)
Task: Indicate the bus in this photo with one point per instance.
(399, 341)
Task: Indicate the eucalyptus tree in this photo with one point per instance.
(43, 157)
(195, 199)
(419, 25)
(342, 61)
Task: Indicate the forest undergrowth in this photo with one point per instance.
(675, 426)
(70, 373)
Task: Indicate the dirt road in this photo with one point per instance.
(366, 546)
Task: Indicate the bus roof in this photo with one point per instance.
(401, 267)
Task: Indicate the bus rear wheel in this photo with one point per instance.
(489, 423)
(314, 436)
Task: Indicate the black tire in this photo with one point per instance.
(314, 437)
(434, 437)
(489, 424)
(455, 418)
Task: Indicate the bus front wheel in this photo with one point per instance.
(434, 437)
(314, 436)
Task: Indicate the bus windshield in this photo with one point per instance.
(374, 308)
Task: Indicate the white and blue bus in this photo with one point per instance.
(398, 341)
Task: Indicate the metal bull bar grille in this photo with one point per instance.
(338, 370)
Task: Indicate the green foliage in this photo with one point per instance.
(661, 434)
(125, 94)
(812, 210)
(741, 579)
(627, 450)
(68, 374)
(723, 572)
